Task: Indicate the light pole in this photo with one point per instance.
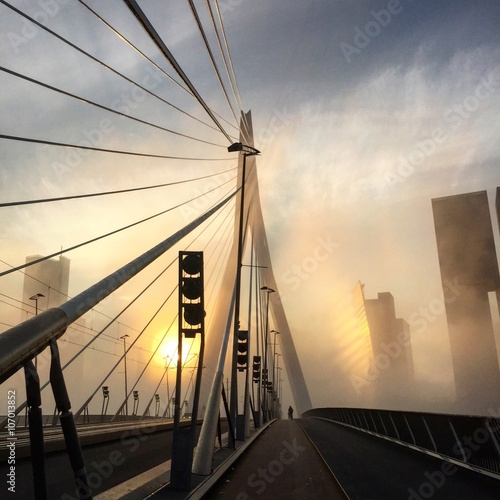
(35, 298)
(233, 406)
(275, 381)
(123, 337)
(265, 370)
(280, 390)
(274, 353)
(274, 360)
(168, 361)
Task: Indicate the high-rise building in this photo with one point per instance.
(497, 202)
(391, 358)
(49, 278)
(469, 266)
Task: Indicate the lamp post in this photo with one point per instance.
(275, 382)
(265, 370)
(280, 390)
(123, 337)
(168, 361)
(274, 359)
(274, 353)
(35, 298)
(233, 405)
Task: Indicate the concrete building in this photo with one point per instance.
(49, 278)
(468, 260)
(391, 359)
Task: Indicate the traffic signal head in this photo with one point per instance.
(191, 300)
(191, 263)
(242, 350)
(256, 369)
(193, 314)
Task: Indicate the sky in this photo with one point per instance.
(363, 111)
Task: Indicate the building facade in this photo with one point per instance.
(49, 278)
(391, 369)
(468, 260)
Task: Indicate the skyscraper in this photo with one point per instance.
(49, 278)
(468, 260)
(391, 356)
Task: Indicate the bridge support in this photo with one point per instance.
(203, 453)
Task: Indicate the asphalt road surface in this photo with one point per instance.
(108, 464)
(370, 468)
(281, 464)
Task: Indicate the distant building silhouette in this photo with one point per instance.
(50, 278)
(497, 201)
(469, 270)
(391, 357)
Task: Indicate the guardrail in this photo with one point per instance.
(470, 440)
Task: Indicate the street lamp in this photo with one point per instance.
(265, 371)
(246, 151)
(280, 390)
(274, 343)
(274, 356)
(35, 298)
(275, 382)
(123, 337)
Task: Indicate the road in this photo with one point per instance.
(370, 468)
(108, 464)
(281, 463)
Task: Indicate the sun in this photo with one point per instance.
(167, 353)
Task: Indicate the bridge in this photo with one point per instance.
(168, 372)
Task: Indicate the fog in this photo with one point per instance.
(354, 144)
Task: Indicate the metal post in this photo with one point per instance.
(191, 319)
(265, 370)
(125, 361)
(35, 298)
(276, 387)
(274, 368)
(233, 404)
(233, 407)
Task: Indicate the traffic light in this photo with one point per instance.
(242, 350)
(256, 369)
(191, 293)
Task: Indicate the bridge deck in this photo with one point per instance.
(281, 463)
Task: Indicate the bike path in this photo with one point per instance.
(281, 463)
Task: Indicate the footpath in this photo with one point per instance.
(281, 463)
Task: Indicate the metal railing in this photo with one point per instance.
(470, 440)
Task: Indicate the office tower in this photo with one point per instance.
(391, 357)
(469, 270)
(497, 203)
(49, 278)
